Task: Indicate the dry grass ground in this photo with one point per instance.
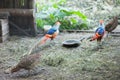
(60, 63)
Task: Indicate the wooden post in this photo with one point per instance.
(4, 30)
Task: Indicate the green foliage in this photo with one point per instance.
(56, 12)
(82, 26)
(39, 23)
(117, 2)
(78, 13)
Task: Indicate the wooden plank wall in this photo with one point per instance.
(21, 15)
(26, 23)
(22, 4)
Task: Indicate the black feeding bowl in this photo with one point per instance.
(71, 43)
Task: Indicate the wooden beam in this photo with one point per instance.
(23, 12)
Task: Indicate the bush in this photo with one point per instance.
(49, 14)
(117, 2)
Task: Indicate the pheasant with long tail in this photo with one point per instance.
(52, 33)
(99, 33)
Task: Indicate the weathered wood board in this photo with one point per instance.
(4, 30)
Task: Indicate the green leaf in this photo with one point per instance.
(78, 13)
(39, 23)
(74, 21)
(55, 5)
(51, 16)
(61, 1)
(81, 15)
(68, 13)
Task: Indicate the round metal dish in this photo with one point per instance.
(71, 43)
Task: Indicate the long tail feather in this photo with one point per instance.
(43, 40)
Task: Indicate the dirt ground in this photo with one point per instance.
(60, 63)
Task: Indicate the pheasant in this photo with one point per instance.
(99, 33)
(51, 33)
(111, 25)
(27, 63)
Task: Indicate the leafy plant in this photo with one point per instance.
(56, 12)
(117, 2)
